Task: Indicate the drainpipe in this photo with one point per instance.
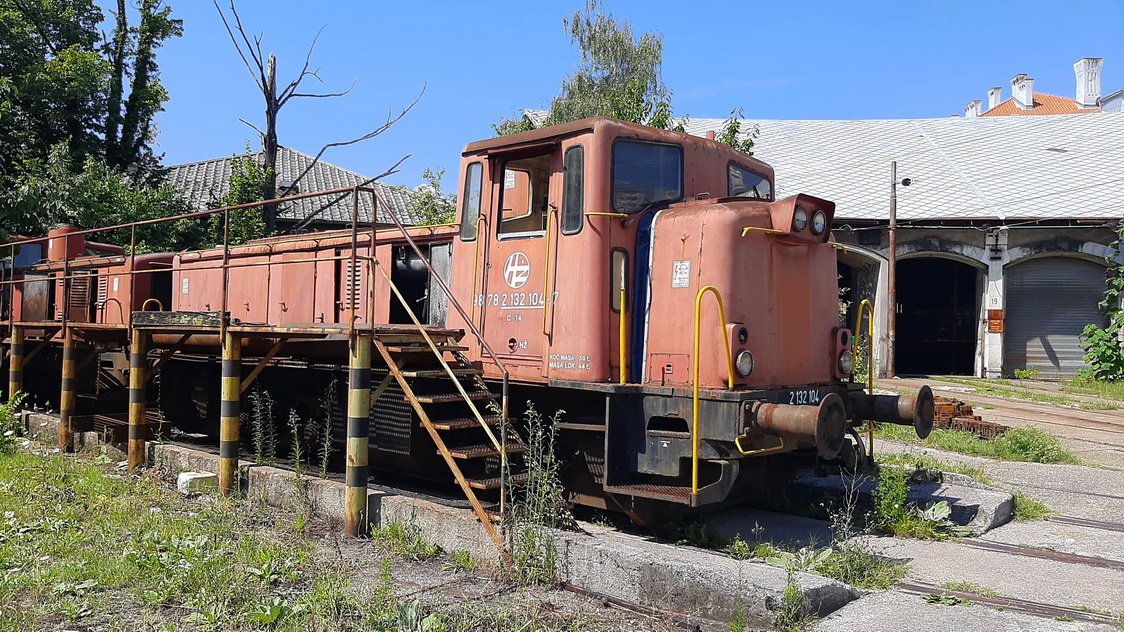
(891, 273)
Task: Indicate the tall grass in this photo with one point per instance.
(1021, 443)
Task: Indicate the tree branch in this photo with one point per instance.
(252, 126)
(259, 79)
(323, 96)
(390, 120)
(374, 219)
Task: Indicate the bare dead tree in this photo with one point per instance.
(263, 70)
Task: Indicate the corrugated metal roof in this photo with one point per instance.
(206, 181)
(1040, 167)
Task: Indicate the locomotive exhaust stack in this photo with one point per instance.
(824, 425)
(902, 410)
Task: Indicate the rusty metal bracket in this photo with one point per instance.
(164, 357)
(39, 347)
(263, 363)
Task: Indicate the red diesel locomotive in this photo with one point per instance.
(644, 281)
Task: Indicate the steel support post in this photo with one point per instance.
(358, 432)
(230, 410)
(15, 366)
(138, 398)
(67, 398)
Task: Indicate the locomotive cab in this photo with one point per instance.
(684, 318)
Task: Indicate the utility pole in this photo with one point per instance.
(892, 273)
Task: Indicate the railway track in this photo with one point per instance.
(1011, 604)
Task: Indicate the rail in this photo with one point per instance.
(695, 376)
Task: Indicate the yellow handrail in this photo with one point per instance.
(546, 274)
(867, 308)
(738, 445)
(476, 263)
(597, 214)
(159, 305)
(695, 376)
(771, 231)
(624, 368)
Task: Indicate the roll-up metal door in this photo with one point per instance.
(1049, 302)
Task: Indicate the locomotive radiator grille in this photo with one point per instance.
(391, 416)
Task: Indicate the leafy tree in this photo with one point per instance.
(249, 182)
(54, 191)
(1102, 347)
(429, 204)
(619, 76)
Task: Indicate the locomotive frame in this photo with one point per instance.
(579, 276)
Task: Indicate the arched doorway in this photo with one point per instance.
(1049, 301)
(938, 317)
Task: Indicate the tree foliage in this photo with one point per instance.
(1103, 350)
(76, 116)
(54, 190)
(249, 182)
(428, 204)
(620, 76)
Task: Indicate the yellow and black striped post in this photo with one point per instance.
(358, 431)
(230, 410)
(67, 398)
(15, 366)
(138, 398)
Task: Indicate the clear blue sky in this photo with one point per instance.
(480, 61)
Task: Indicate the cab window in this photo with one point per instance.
(645, 175)
(573, 191)
(525, 195)
(470, 200)
(744, 182)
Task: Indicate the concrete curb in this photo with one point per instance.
(641, 571)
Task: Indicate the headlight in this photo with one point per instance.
(846, 361)
(744, 363)
(800, 219)
(819, 222)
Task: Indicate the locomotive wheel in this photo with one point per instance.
(854, 454)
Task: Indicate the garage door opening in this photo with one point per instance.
(1049, 303)
(937, 317)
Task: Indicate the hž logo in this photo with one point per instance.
(517, 270)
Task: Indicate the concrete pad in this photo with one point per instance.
(1029, 578)
(893, 612)
(975, 506)
(1065, 538)
(686, 580)
(757, 526)
(197, 482)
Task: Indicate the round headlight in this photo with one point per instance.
(846, 361)
(800, 219)
(743, 364)
(819, 222)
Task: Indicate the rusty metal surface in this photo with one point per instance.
(1010, 603)
(824, 425)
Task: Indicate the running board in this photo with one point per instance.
(711, 494)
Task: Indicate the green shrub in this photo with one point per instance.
(11, 427)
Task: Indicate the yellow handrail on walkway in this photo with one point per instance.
(695, 376)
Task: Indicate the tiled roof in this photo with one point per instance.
(1043, 104)
(203, 182)
(1004, 167)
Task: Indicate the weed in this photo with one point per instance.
(296, 450)
(10, 425)
(1028, 508)
(262, 427)
(854, 563)
(794, 611)
(946, 600)
(1021, 443)
(328, 408)
(273, 611)
(540, 508)
(1005, 388)
(893, 514)
(459, 561)
(930, 467)
(697, 534)
(1026, 374)
(404, 539)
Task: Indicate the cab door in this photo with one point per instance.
(522, 240)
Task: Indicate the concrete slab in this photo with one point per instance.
(1029, 578)
(893, 612)
(975, 506)
(1076, 539)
